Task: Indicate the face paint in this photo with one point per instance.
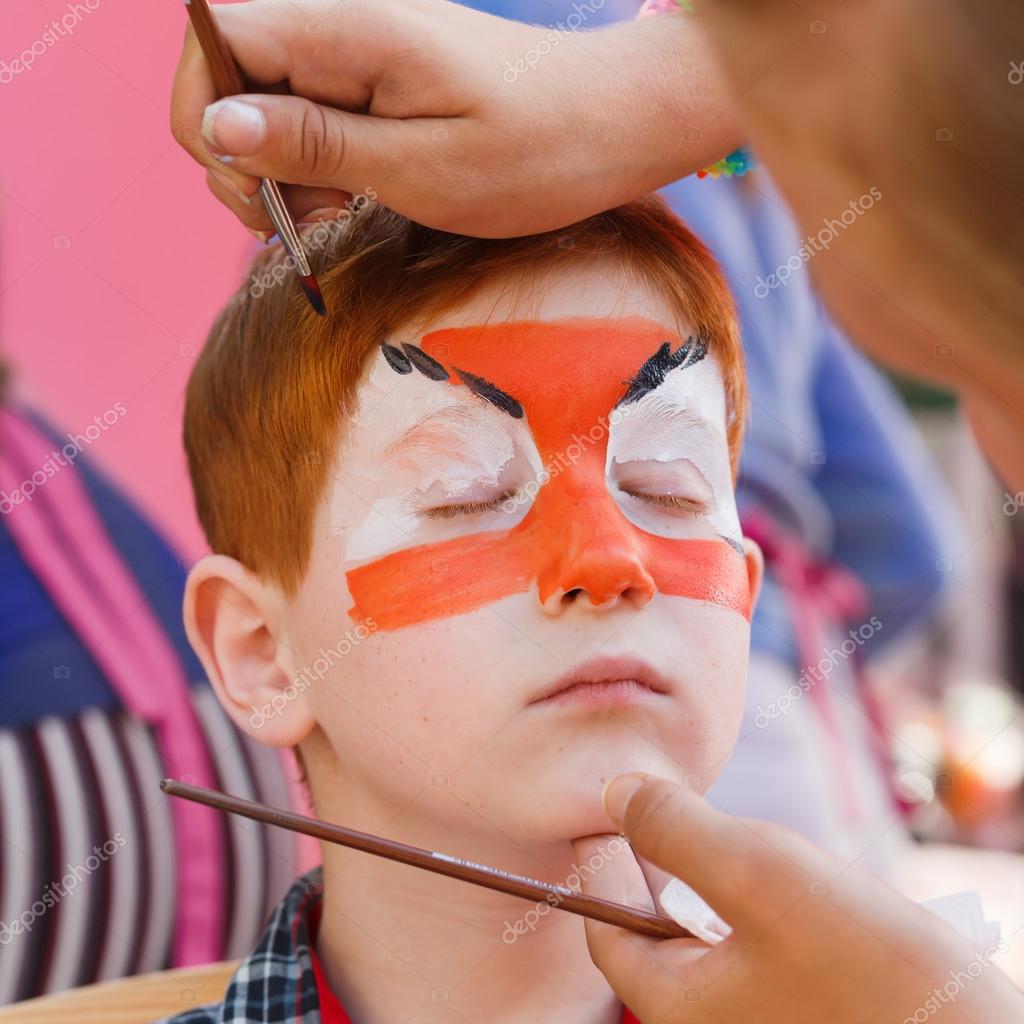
(450, 447)
(566, 377)
(672, 440)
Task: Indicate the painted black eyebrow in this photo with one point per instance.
(654, 370)
(491, 393)
(409, 357)
(427, 365)
(397, 359)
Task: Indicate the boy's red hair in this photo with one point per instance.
(271, 389)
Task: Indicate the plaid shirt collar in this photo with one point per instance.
(281, 982)
(277, 983)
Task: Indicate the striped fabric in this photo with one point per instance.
(100, 874)
(88, 881)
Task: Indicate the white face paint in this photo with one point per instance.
(427, 460)
(418, 448)
(670, 445)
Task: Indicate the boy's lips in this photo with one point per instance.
(605, 681)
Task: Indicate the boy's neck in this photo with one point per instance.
(397, 943)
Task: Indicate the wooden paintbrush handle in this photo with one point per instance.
(227, 77)
(645, 922)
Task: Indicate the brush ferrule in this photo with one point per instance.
(270, 192)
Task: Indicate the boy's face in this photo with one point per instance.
(520, 504)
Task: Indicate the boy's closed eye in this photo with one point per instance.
(463, 463)
(675, 502)
(470, 508)
(676, 487)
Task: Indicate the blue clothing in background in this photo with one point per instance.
(45, 669)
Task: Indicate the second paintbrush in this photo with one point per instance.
(229, 81)
(563, 898)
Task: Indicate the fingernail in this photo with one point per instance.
(324, 213)
(233, 128)
(618, 792)
(229, 183)
(260, 236)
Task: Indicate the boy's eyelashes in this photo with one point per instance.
(467, 508)
(674, 502)
(678, 503)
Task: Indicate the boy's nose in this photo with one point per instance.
(588, 550)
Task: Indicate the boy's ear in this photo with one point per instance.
(233, 621)
(755, 569)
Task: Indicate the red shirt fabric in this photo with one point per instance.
(331, 1010)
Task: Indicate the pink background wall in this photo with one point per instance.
(114, 258)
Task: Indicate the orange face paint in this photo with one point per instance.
(568, 375)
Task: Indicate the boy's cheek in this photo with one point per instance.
(435, 688)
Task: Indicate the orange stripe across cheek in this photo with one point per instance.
(574, 535)
(437, 581)
(705, 570)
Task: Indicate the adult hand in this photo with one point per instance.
(923, 102)
(461, 121)
(813, 939)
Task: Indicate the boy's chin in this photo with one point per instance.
(576, 810)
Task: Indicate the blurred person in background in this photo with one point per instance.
(855, 521)
(100, 697)
(838, 489)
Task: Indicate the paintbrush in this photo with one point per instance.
(563, 898)
(229, 81)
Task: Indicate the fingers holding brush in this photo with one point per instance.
(608, 868)
(811, 939)
(292, 139)
(247, 208)
(193, 92)
(308, 205)
(653, 971)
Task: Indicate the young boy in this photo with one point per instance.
(476, 551)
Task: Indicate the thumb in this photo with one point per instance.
(748, 871)
(648, 975)
(294, 140)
